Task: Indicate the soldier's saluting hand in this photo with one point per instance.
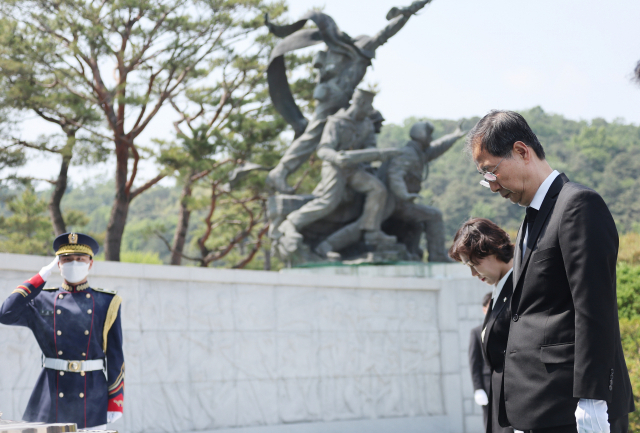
(79, 332)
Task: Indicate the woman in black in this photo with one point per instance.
(488, 251)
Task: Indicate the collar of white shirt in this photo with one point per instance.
(541, 193)
(497, 289)
(543, 190)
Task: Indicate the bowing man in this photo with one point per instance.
(564, 366)
(79, 332)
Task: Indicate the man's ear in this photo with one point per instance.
(90, 263)
(521, 149)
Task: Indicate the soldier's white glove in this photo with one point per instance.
(592, 417)
(113, 417)
(481, 397)
(45, 272)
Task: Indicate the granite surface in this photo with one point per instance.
(211, 349)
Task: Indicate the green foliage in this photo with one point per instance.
(120, 62)
(628, 287)
(602, 155)
(228, 137)
(150, 258)
(630, 333)
(629, 250)
(628, 290)
(28, 229)
(11, 157)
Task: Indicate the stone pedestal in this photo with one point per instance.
(325, 349)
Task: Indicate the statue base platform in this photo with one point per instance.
(387, 269)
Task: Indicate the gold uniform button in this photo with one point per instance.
(61, 395)
(59, 332)
(62, 373)
(82, 373)
(88, 295)
(81, 395)
(89, 311)
(60, 296)
(86, 332)
(59, 312)
(84, 354)
(59, 352)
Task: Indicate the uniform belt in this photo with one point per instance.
(73, 366)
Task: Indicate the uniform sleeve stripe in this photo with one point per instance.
(119, 379)
(22, 292)
(118, 388)
(25, 289)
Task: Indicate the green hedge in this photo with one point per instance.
(628, 291)
(629, 310)
(630, 331)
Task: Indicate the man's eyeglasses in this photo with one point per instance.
(489, 176)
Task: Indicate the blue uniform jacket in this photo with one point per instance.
(72, 325)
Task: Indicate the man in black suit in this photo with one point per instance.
(480, 371)
(564, 367)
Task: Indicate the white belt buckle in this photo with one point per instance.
(74, 366)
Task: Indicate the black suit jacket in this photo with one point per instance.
(480, 372)
(494, 344)
(564, 340)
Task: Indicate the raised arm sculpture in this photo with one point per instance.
(341, 67)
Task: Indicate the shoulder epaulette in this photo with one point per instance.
(107, 291)
(50, 288)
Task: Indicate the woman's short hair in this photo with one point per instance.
(479, 238)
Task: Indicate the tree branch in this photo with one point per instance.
(255, 249)
(136, 192)
(171, 249)
(34, 146)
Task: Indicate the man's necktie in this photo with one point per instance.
(531, 219)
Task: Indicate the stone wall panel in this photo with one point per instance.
(210, 349)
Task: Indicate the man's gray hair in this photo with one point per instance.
(498, 130)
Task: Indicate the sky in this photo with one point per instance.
(462, 58)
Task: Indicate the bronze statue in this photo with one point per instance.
(341, 67)
(403, 176)
(348, 141)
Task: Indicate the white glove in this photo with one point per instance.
(592, 417)
(113, 417)
(481, 397)
(45, 272)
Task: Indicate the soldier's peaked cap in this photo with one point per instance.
(363, 95)
(75, 243)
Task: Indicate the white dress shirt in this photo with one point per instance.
(497, 289)
(541, 193)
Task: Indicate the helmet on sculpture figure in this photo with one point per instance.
(421, 132)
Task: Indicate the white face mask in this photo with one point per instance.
(74, 272)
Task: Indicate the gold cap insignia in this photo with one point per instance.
(73, 238)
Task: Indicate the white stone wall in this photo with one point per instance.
(210, 349)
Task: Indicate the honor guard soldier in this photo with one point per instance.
(79, 331)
